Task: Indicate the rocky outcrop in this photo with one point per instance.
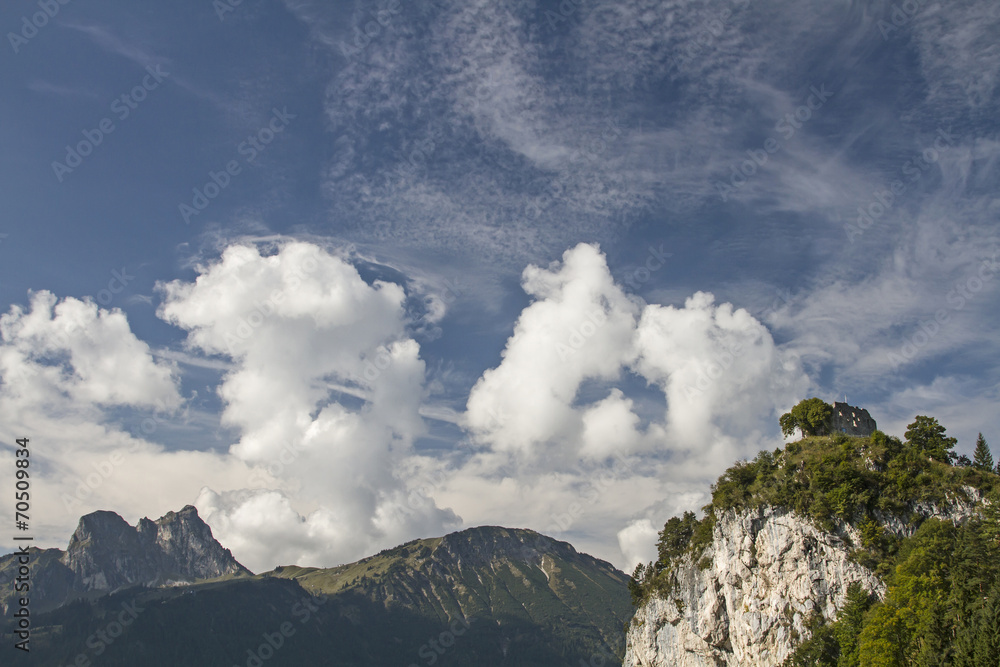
(105, 554)
(746, 600)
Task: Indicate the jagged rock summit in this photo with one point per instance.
(105, 554)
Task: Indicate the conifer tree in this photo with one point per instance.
(982, 459)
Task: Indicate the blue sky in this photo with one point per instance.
(539, 264)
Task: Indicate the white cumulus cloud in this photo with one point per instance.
(73, 349)
(560, 410)
(579, 327)
(297, 324)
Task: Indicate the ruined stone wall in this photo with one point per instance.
(851, 420)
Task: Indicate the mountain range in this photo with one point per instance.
(167, 593)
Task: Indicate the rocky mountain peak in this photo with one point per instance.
(107, 553)
(480, 545)
(101, 523)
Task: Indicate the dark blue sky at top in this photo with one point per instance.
(455, 161)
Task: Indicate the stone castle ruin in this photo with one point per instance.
(851, 420)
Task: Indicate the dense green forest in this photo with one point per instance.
(942, 606)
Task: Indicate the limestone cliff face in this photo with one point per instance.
(745, 601)
(107, 553)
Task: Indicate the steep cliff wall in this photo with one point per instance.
(746, 599)
(106, 553)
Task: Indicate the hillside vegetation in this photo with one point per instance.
(943, 601)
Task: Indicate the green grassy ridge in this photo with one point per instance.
(329, 581)
(827, 479)
(485, 572)
(406, 570)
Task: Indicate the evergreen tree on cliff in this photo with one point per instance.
(982, 459)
